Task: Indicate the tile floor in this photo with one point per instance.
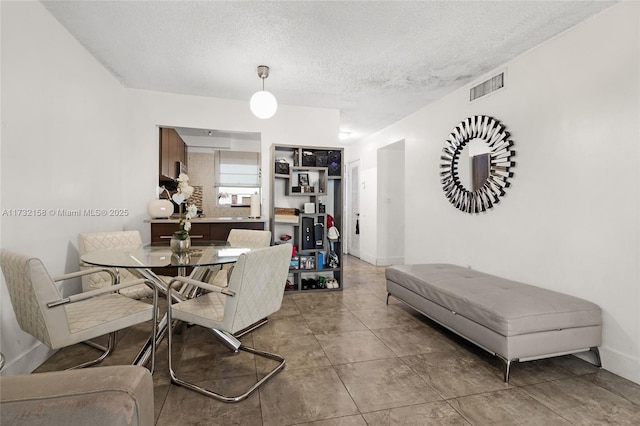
(353, 360)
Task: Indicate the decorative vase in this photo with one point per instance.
(179, 244)
(160, 209)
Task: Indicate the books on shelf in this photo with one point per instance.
(285, 218)
(286, 215)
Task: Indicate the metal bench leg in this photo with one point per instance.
(596, 353)
(507, 367)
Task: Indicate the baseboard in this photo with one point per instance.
(386, 261)
(621, 364)
(28, 361)
(368, 258)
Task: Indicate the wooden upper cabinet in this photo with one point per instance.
(172, 150)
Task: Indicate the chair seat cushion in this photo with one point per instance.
(112, 311)
(506, 307)
(206, 310)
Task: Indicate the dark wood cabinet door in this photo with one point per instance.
(172, 150)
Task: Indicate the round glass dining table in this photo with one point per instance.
(159, 255)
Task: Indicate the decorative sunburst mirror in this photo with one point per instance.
(476, 164)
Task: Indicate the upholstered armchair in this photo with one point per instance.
(116, 395)
(60, 321)
(90, 242)
(255, 290)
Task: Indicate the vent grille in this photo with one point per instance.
(486, 87)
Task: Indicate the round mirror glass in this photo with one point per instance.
(476, 164)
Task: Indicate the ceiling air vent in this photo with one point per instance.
(486, 87)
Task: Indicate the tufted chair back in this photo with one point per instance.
(258, 280)
(30, 289)
(249, 238)
(90, 242)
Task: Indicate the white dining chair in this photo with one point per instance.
(255, 290)
(59, 321)
(248, 238)
(90, 242)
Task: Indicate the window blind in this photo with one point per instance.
(236, 168)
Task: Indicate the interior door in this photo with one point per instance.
(353, 213)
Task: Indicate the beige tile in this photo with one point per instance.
(352, 287)
(413, 340)
(318, 302)
(361, 300)
(283, 327)
(306, 395)
(456, 373)
(433, 413)
(288, 308)
(210, 360)
(332, 322)
(616, 384)
(382, 384)
(299, 352)
(186, 407)
(385, 317)
(585, 403)
(506, 407)
(353, 346)
(340, 421)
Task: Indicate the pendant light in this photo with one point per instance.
(263, 104)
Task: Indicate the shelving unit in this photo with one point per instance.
(312, 185)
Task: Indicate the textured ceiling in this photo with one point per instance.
(376, 62)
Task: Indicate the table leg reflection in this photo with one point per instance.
(229, 340)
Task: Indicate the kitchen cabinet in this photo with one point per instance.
(173, 151)
(308, 181)
(202, 229)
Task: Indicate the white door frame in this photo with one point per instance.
(352, 245)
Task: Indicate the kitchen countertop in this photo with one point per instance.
(210, 220)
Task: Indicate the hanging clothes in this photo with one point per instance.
(358, 224)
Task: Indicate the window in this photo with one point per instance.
(237, 177)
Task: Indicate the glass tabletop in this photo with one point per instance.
(160, 255)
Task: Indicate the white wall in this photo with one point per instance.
(570, 221)
(74, 138)
(62, 116)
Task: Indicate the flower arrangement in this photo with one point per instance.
(180, 197)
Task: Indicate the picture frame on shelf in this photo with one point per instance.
(303, 179)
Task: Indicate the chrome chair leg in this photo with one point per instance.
(110, 347)
(207, 392)
(95, 345)
(252, 327)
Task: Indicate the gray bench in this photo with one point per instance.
(514, 321)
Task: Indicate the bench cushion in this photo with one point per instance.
(507, 307)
